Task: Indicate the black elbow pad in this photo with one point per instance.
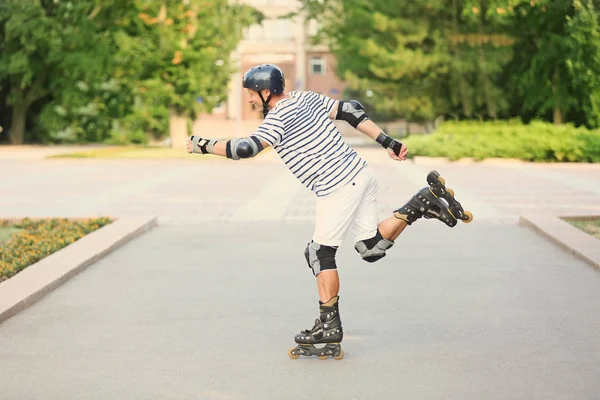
(238, 149)
(352, 112)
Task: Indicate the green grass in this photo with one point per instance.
(589, 226)
(6, 232)
(131, 152)
(137, 152)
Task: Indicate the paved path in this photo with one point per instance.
(200, 190)
(205, 305)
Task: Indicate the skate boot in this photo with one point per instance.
(327, 330)
(434, 201)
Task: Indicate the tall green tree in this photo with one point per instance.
(97, 68)
(468, 58)
(583, 61)
(538, 71)
(177, 54)
(46, 51)
(31, 48)
(480, 48)
(420, 59)
(556, 60)
(87, 97)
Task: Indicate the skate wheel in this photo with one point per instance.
(441, 180)
(292, 355)
(450, 192)
(340, 355)
(469, 217)
(323, 357)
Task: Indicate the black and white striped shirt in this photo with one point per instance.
(307, 140)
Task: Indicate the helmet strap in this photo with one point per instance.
(265, 103)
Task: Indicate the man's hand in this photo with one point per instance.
(396, 149)
(190, 146)
(401, 156)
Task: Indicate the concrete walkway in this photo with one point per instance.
(205, 306)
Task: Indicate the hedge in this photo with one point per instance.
(537, 141)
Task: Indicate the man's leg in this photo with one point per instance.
(321, 259)
(333, 218)
(374, 238)
(328, 285)
(391, 227)
(328, 327)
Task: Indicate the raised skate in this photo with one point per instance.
(434, 201)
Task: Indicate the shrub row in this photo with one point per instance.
(537, 141)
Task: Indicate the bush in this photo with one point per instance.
(40, 238)
(538, 141)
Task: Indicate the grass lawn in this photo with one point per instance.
(590, 226)
(129, 152)
(136, 152)
(6, 233)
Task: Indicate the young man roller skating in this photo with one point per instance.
(299, 126)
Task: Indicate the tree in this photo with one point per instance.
(468, 58)
(420, 59)
(46, 50)
(538, 70)
(99, 67)
(30, 48)
(555, 60)
(87, 96)
(481, 48)
(177, 53)
(583, 61)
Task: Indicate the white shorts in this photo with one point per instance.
(351, 207)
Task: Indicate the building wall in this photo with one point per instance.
(326, 83)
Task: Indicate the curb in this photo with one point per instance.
(39, 279)
(565, 235)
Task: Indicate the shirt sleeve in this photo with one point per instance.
(328, 102)
(271, 130)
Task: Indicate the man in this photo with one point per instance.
(299, 126)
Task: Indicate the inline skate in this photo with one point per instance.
(434, 201)
(327, 330)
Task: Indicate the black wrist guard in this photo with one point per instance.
(388, 143)
(202, 146)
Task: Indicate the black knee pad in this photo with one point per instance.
(373, 249)
(320, 257)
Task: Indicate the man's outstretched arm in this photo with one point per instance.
(353, 113)
(235, 149)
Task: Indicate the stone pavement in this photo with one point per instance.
(210, 189)
(205, 305)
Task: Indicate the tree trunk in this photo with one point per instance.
(20, 106)
(463, 90)
(17, 127)
(558, 117)
(487, 90)
(178, 129)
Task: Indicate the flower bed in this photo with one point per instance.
(37, 239)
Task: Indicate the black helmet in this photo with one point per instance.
(265, 76)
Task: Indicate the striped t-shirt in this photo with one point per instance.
(307, 140)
